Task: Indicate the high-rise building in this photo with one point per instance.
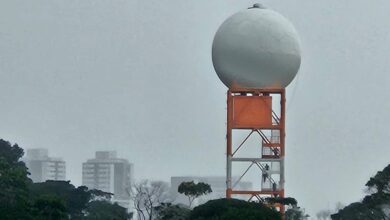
(217, 184)
(42, 167)
(108, 173)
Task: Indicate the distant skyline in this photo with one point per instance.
(42, 167)
(137, 77)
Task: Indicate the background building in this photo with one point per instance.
(42, 167)
(108, 173)
(217, 184)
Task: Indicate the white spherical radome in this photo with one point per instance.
(256, 48)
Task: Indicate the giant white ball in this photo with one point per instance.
(256, 48)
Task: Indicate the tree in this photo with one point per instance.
(167, 211)
(76, 200)
(146, 196)
(22, 199)
(193, 190)
(295, 213)
(49, 207)
(100, 209)
(284, 201)
(373, 206)
(381, 181)
(358, 211)
(228, 209)
(14, 193)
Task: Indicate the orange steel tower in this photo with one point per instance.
(256, 54)
(253, 110)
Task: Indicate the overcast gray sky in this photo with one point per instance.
(136, 76)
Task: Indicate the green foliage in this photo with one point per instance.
(96, 194)
(358, 211)
(167, 211)
(231, 209)
(49, 207)
(14, 198)
(105, 210)
(76, 199)
(381, 181)
(194, 190)
(20, 199)
(283, 201)
(372, 206)
(295, 213)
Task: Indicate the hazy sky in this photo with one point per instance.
(136, 76)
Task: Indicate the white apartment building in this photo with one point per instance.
(42, 167)
(108, 173)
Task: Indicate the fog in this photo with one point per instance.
(136, 77)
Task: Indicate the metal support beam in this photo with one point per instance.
(254, 159)
(269, 144)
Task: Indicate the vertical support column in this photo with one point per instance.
(282, 143)
(229, 145)
(282, 121)
(251, 109)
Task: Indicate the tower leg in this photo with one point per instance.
(252, 110)
(229, 149)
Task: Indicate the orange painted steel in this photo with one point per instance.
(252, 109)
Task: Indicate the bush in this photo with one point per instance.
(232, 209)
